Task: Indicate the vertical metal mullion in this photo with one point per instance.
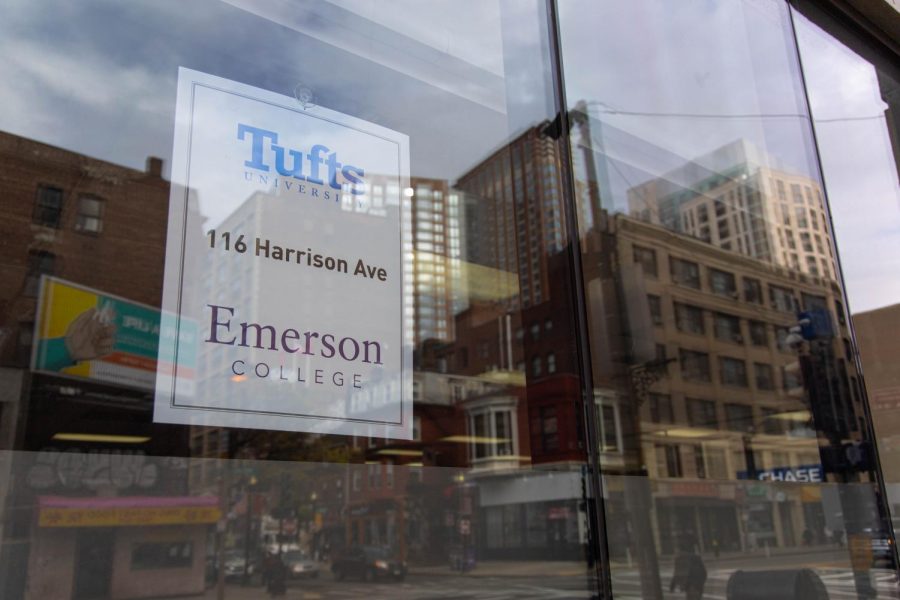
(582, 341)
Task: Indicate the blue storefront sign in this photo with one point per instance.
(799, 474)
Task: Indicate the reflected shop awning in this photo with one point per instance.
(59, 511)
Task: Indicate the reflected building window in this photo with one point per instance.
(759, 333)
(728, 328)
(702, 413)
(722, 283)
(40, 263)
(655, 304)
(646, 257)
(668, 460)
(781, 299)
(90, 215)
(536, 370)
(492, 432)
(660, 406)
(753, 290)
(694, 365)
(739, 417)
(771, 422)
(609, 428)
(48, 206)
(765, 380)
(689, 318)
(733, 371)
(685, 272)
(549, 429)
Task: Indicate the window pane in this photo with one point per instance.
(708, 158)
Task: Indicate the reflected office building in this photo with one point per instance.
(721, 311)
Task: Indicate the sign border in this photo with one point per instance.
(347, 121)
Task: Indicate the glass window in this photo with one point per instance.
(668, 459)
(459, 184)
(39, 263)
(90, 215)
(759, 333)
(753, 290)
(689, 318)
(646, 257)
(549, 430)
(733, 371)
(694, 365)
(609, 430)
(655, 303)
(728, 328)
(685, 272)
(48, 206)
(162, 555)
(702, 413)
(661, 410)
(722, 283)
(764, 378)
(739, 417)
(781, 299)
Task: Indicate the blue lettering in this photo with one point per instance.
(290, 163)
(315, 159)
(354, 175)
(256, 144)
(297, 170)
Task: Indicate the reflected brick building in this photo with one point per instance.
(101, 226)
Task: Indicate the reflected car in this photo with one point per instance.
(368, 563)
(300, 565)
(234, 566)
(882, 548)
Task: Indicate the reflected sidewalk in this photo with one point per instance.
(508, 568)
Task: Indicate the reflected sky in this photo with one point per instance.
(99, 78)
(665, 83)
(857, 160)
(689, 77)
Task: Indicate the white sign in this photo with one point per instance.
(284, 251)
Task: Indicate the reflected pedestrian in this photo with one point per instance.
(690, 572)
(276, 575)
(807, 537)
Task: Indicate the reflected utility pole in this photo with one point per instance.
(224, 491)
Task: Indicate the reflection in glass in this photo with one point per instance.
(102, 502)
(709, 246)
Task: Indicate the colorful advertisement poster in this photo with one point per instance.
(86, 333)
(285, 247)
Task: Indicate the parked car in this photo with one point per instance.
(234, 565)
(882, 548)
(300, 565)
(368, 563)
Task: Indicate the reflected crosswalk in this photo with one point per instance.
(840, 584)
(480, 588)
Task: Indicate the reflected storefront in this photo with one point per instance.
(503, 300)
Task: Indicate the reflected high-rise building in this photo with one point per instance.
(515, 203)
(432, 260)
(739, 199)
